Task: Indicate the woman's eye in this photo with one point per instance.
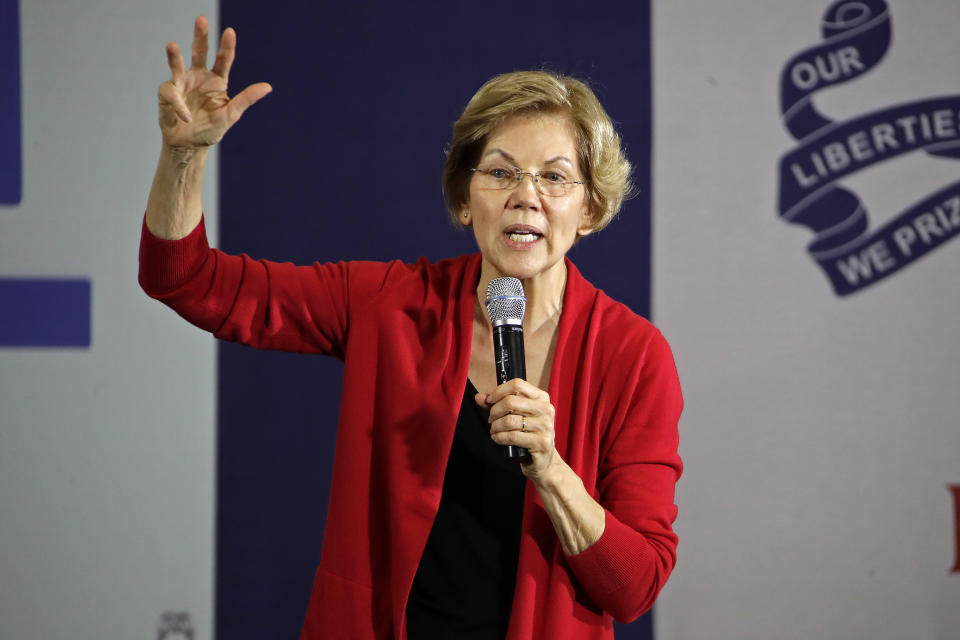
(552, 176)
(498, 173)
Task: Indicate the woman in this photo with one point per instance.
(429, 532)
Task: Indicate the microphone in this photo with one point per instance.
(505, 306)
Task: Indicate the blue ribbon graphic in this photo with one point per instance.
(856, 36)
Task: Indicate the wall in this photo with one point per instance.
(107, 448)
(820, 434)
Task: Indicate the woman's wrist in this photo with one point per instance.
(554, 476)
(174, 207)
(183, 157)
(577, 518)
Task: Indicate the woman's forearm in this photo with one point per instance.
(174, 206)
(577, 518)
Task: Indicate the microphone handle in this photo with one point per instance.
(510, 363)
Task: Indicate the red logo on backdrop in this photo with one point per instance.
(955, 490)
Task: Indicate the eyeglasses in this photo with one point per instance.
(549, 183)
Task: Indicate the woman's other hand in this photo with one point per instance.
(195, 110)
(521, 414)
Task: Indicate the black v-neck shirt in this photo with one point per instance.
(464, 584)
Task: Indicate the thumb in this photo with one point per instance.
(242, 101)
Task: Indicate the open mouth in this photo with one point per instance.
(522, 234)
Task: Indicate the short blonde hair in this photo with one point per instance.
(606, 171)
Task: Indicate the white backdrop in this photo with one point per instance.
(106, 454)
(820, 432)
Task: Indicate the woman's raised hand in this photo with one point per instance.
(195, 110)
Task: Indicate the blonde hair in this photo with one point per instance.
(605, 168)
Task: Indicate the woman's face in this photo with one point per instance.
(522, 232)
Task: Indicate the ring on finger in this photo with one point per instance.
(523, 424)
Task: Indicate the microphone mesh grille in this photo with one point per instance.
(505, 300)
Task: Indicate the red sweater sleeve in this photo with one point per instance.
(267, 305)
(626, 568)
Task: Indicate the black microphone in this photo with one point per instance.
(505, 306)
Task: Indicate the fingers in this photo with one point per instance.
(201, 31)
(228, 48)
(517, 422)
(522, 415)
(520, 405)
(175, 62)
(245, 98)
(171, 96)
(516, 387)
(532, 433)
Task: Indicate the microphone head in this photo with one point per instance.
(505, 301)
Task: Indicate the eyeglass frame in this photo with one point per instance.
(534, 175)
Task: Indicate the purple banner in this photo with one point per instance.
(44, 312)
(10, 153)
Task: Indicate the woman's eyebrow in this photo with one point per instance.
(559, 159)
(503, 153)
(512, 160)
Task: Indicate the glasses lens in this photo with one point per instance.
(551, 188)
(494, 178)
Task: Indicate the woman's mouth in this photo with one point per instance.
(521, 236)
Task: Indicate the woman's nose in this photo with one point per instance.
(525, 193)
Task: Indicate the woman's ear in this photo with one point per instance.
(465, 218)
(585, 227)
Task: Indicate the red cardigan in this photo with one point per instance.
(404, 332)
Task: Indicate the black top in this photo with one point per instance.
(464, 584)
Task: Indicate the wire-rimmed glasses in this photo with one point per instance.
(549, 183)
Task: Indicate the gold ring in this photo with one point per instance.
(523, 424)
